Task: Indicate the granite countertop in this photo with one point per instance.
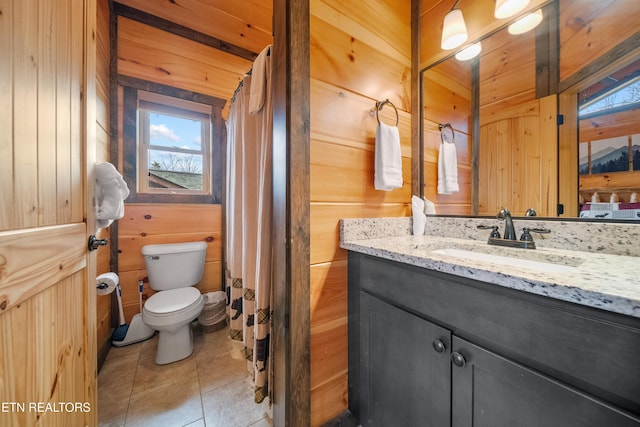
(605, 281)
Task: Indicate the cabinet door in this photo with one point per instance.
(404, 375)
(491, 391)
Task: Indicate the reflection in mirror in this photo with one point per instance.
(609, 150)
(505, 106)
(447, 99)
(516, 139)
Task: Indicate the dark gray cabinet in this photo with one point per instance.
(491, 391)
(406, 377)
(431, 349)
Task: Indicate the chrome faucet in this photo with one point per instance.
(509, 239)
(509, 230)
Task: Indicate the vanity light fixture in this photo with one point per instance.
(454, 30)
(507, 8)
(526, 23)
(469, 52)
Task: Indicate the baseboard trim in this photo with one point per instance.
(103, 351)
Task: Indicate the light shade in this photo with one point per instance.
(507, 8)
(526, 23)
(469, 52)
(454, 31)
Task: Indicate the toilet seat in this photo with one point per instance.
(170, 310)
(173, 301)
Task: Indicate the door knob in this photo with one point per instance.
(458, 359)
(439, 346)
(94, 243)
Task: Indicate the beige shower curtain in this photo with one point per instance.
(248, 224)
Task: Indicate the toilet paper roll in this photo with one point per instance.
(106, 283)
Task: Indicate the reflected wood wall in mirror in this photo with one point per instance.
(505, 105)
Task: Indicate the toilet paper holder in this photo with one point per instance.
(94, 243)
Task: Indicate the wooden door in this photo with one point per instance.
(47, 150)
(404, 379)
(491, 391)
(518, 153)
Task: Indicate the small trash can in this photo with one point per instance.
(213, 316)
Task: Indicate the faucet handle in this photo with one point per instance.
(526, 236)
(495, 234)
(540, 230)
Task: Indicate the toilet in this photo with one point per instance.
(173, 270)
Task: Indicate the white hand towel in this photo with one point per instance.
(258, 81)
(429, 207)
(388, 158)
(447, 169)
(110, 192)
(419, 218)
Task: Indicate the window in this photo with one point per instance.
(625, 96)
(174, 145)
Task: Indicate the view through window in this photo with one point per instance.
(174, 145)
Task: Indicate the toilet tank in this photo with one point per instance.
(175, 265)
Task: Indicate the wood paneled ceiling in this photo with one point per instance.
(157, 55)
(245, 23)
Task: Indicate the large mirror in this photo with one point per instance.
(548, 119)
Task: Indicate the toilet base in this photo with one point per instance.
(174, 345)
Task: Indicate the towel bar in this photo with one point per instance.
(380, 104)
(447, 134)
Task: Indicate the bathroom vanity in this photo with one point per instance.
(438, 337)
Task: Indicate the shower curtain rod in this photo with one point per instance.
(235, 93)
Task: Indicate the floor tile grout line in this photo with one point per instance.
(133, 382)
(204, 416)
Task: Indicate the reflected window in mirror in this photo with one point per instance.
(609, 149)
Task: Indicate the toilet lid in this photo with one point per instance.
(172, 300)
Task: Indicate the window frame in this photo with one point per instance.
(131, 90)
(149, 102)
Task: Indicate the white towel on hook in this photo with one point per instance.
(388, 158)
(258, 81)
(110, 193)
(447, 169)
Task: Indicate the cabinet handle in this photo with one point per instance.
(458, 359)
(439, 346)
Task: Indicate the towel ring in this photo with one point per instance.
(447, 134)
(380, 104)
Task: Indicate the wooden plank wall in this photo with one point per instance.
(47, 328)
(590, 29)
(149, 224)
(154, 55)
(103, 309)
(217, 18)
(360, 53)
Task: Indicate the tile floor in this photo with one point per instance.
(210, 388)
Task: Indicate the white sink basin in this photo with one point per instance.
(543, 266)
